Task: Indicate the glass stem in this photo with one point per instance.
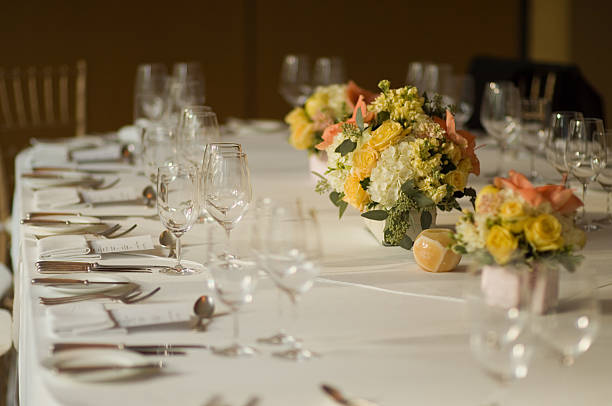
(294, 300)
(279, 303)
(584, 190)
(236, 327)
(179, 253)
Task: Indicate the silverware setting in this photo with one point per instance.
(88, 182)
(47, 266)
(66, 281)
(111, 367)
(37, 169)
(106, 233)
(34, 214)
(130, 296)
(159, 349)
(45, 222)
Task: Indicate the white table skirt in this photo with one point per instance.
(386, 330)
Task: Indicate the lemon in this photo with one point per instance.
(432, 253)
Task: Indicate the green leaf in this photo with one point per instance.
(342, 205)
(406, 243)
(378, 215)
(347, 146)
(336, 197)
(426, 220)
(459, 249)
(318, 174)
(382, 116)
(359, 119)
(419, 197)
(468, 191)
(365, 183)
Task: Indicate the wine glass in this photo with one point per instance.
(291, 256)
(463, 98)
(188, 71)
(227, 189)
(414, 77)
(158, 149)
(534, 119)
(261, 229)
(178, 206)
(437, 78)
(498, 308)
(500, 114)
(198, 127)
(605, 179)
(585, 155)
(557, 138)
(571, 322)
(328, 71)
(295, 85)
(234, 281)
(149, 91)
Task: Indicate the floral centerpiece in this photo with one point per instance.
(397, 160)
(518, 225)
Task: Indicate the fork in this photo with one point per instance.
(107, 233)
(111, 234)
(133, 295)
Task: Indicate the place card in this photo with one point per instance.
(126, 244)
(106, 153)
(111, 195)
(146, 314)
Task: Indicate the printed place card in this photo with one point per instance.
(152, 313)
(105, 153)
(119, 194)
(138, 243)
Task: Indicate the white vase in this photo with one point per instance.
(377, 228)
(317, 163)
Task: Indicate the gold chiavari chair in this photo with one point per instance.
(45, 102)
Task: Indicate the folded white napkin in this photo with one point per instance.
(56, 197)
(131, 134)
(86, 318)
(44, 153)
(65, 247)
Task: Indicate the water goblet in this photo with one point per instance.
(585, 155)
(557, 138)
(328, 71)
(149, 92)
(158, 149)
(605, 179)
(534, 119)
(197, 128)
(295, 83)
(178, 206)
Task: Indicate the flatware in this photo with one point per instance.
(130, 297)
(69, 266)
(160, 348)
(45, 222)
(203, 308)
(77, 170)
(66, 281)
(34, 214)
(97, 368)
(335, 394)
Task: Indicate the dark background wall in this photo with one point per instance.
(241, 43)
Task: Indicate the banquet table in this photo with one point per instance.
(385, 330)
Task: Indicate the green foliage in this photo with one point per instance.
(398, 220)
(336, 199)
(384, 85)
(323, 185)
(426, 220)
(365, 183)
(347, 146)
(381, 117)
(351, 130)
(435, 107)
(359, 120)
(416, 195)
(378, 215)
(406, 243)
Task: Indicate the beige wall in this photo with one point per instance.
(241, 43)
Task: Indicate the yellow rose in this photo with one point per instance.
(316, 103)
(389, 133)
(456, 179)
(364, 160)
(501, 243)
(302, 137)
(488, 199)
(296, 117)
(512, 215)
(354, 194)
(544, 233)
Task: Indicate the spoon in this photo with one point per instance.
(203, 308)
(167, 240)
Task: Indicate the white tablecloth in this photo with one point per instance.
(386, 330)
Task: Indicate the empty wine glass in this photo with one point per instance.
(498, 309)
(261, 229)
(178, 206)
(227, 190)
(235, 281)
(414, 77)
(295, 83)
(463, 97)
(500, 114)
(291, 257)
(535, 114)
(198, 127)
(149, 91)
(605, 179)
(571, 322)
(158, 149)
(184, 71)
(328, 71)
(585, 155)
(437, 78)
(557, 138)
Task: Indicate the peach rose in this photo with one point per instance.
(330, 132)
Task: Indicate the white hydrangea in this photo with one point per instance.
(336, 96)
(473, 236)
(392, 170)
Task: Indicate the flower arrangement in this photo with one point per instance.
(395, 157)
(515, 223)
(326, 106)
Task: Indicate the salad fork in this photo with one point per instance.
(133, 295)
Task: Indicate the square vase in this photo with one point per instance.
(317, 163)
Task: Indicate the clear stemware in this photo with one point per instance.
(328, 71)
(178, 206)
(149, 92)
(463, 97)
(158, 149)
(292, 255)
(585, 155)
(500, 114)
(235, 281)
(198, 127)
(605, 179)
(227, 188)
(535, 114)
(557, 138)
(295, 83)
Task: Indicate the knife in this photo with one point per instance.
(113, 367)
(42, 222)
(65, 281)
(64, 169)
(33, 214)
(94, 266)
(159, 348)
